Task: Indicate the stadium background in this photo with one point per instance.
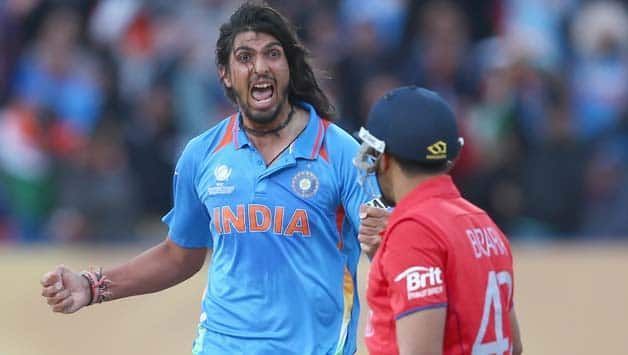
(98, 97)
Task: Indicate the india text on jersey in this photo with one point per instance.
(260, 218)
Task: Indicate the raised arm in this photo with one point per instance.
(158, 268)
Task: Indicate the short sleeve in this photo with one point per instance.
(188, 220)
(413, 262)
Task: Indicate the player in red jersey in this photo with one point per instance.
(442, 279)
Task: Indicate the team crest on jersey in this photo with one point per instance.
(222, 174)
(305, 184)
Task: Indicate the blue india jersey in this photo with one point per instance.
(282, 278)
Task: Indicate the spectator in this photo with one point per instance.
(70, 68)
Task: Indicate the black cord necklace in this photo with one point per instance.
(261, 133)
(286, 147)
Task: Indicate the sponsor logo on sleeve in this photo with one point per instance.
(422, 281)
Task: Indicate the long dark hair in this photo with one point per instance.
(259, 17)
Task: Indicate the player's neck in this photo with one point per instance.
(269, 145)
(407, 184)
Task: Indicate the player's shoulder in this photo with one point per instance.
(207, 142)
(413, 232)
(338, 141)
(408, 219)
(338, 135)
(417, 218)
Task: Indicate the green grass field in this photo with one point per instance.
(570, 300)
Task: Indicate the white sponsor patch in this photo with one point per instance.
(422, 281)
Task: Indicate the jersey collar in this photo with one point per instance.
(306, 146)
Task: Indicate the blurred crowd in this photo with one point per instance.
(97, 98)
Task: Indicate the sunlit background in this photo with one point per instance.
(97, 99)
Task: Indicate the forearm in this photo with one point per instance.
(156, 269)
(422, 332)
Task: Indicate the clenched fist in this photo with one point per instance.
(373, 221)
(66, 291)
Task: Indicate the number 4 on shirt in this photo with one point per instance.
(492, 300)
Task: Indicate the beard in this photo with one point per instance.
(261, 118)
(386, 194)
(385, 187)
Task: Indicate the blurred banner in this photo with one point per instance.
(97, 99)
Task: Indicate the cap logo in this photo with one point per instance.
(437, 151)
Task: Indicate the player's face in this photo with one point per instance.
(259, 75)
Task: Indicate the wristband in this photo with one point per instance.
(98, 286)
(89, 285)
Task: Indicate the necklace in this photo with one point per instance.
(286, 147)
(261, 133)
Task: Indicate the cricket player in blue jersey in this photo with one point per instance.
(272, 192)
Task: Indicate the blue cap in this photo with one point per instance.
(415, 124)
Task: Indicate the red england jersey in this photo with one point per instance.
(439, 250)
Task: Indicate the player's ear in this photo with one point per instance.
(224, 76)
(384, 162)
(386, 159)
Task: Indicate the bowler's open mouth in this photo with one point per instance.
(262, 92)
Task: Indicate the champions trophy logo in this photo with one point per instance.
(222, 173)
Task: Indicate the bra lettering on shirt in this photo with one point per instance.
(486, 242)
